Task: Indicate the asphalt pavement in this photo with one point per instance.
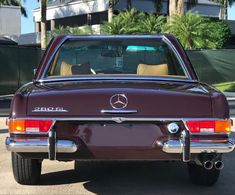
(143, 178)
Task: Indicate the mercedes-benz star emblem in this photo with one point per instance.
(118, 101)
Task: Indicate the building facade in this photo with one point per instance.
(10, 21)
(94, 12)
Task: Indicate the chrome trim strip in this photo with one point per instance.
(114, 78)
(52, 56)
(118, 111)
(112, 118)
(4, 97)
(37, 145)
(175, 146)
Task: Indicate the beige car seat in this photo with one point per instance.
(65, 69)
(152, 70)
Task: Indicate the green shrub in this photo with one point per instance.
(152, 24)
(134, 22)
(64, 30)
(197, 32)
(124, 23)
(193, 30)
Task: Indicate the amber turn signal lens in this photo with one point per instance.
(209, 126)
(16, 126)
(223, 126)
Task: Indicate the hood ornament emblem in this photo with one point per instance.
(118, 101)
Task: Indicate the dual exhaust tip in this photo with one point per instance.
(208, 165)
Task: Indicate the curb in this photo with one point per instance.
(3, 123)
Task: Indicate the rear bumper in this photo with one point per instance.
(206, 146)
(39, 145)
(183, 147)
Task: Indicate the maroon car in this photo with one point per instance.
(125, 97)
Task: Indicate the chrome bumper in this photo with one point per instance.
(39, 145)
(187, 146)
(176, 146)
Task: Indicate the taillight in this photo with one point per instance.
(209, 126)
(35, 126)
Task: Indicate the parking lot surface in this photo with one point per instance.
(163, 178)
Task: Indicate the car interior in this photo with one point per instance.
(96, 61)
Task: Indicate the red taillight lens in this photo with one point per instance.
(35, 126)
(209, 126)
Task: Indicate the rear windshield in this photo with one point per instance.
(77, 58)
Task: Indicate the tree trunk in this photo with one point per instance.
(176, 7)
(128, 4)
(172, 8)
(110, 11)
(221, 13)
(158, 6)
(43, 24)
(180, 7)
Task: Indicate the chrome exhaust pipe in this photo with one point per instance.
(219, 165)
(208, 165)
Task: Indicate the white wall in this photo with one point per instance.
(72, 9)
(10, 20)
(204, 7)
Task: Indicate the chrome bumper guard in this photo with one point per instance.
(39, 145)
(198, 146)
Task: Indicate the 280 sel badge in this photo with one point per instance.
(49, 109)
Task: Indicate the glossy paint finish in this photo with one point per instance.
(111, 140)
(98, 138)
(150, 99)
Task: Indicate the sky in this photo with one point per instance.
(231, 12)
(27, 24)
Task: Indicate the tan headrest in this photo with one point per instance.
(65, 69)
(152, 70)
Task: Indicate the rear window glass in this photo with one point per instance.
(115, 57)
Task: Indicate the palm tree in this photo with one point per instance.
(151, 24)
(112, 3)
(187, 28)
(176, 7)
(43, 5)
(195, 31)
(124, 23)
(15, 3)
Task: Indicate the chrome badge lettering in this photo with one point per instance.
(49, 109)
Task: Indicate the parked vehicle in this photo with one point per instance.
(123, 97)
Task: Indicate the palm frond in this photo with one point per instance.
(195, 32)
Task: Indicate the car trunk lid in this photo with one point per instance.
(145, 99)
